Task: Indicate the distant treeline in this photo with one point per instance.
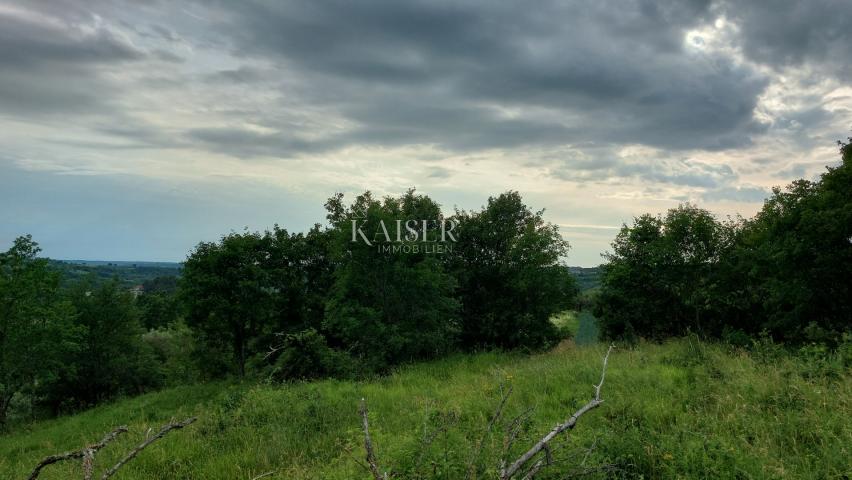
(587, 278)
(786, 273)
(129, 274)
(281, 305)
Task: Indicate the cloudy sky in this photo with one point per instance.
(131, 131)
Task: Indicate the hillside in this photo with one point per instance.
(681, 409)
(588, 278)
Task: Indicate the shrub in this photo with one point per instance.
(306, 355)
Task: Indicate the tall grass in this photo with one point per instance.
(683, 409)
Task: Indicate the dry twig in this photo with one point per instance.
(368, 445)
(86, 453)
(166, 429)
(509, 472)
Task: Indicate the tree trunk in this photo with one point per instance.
(5, 401)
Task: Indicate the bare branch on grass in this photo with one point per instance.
(517, 465)
(86, 453)
(132, 454)
(368, 445)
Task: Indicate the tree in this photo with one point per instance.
(36, 329)
(795, 259)
(112, 358)
(388, 307)
(660, 278)
(228, 295)
(158, 302)
(785, 271)
(508, 264)
(241, 292)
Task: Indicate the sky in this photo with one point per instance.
(134, 130)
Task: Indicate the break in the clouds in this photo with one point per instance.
(596, 110)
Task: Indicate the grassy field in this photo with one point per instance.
(677, 410)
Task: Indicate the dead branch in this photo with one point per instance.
(263, 475)
(368, 445)
(86, 453)
(273, 349)
(517, 465)
(130, 456)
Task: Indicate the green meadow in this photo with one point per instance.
(681, 409)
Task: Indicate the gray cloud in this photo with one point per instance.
(572, 71)
(795, 32)
(52, 64)
(663, 169)
(245, 143)
(439, 172)
(746, 194)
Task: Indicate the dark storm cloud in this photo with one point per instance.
(33, 44)
(795, 32)
(463, 76)
(575, 71)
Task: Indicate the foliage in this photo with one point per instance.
(306, 355)
(174, 346)
(240, 291)
(792, 262)
(511, 280)
(388, 308)
(725, 416)
(111, 358)
(786, 271)
(659, 279)
(36, 329)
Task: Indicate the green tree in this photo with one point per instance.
(508, 264)
(36, 330)
(794, 259)
(228, 294)
(388, 307)
(660, 277)
(158, 303)
(241, 292)
(112, 359)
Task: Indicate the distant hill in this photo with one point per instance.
(128, 273)
(587, 277)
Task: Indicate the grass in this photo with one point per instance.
(677, 410)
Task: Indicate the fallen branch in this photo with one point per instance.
(86, 453)
(264, 475)
(166, 429)
(368, 445)
(507, 473)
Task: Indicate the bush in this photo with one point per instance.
(173, 346)
(306, 355)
